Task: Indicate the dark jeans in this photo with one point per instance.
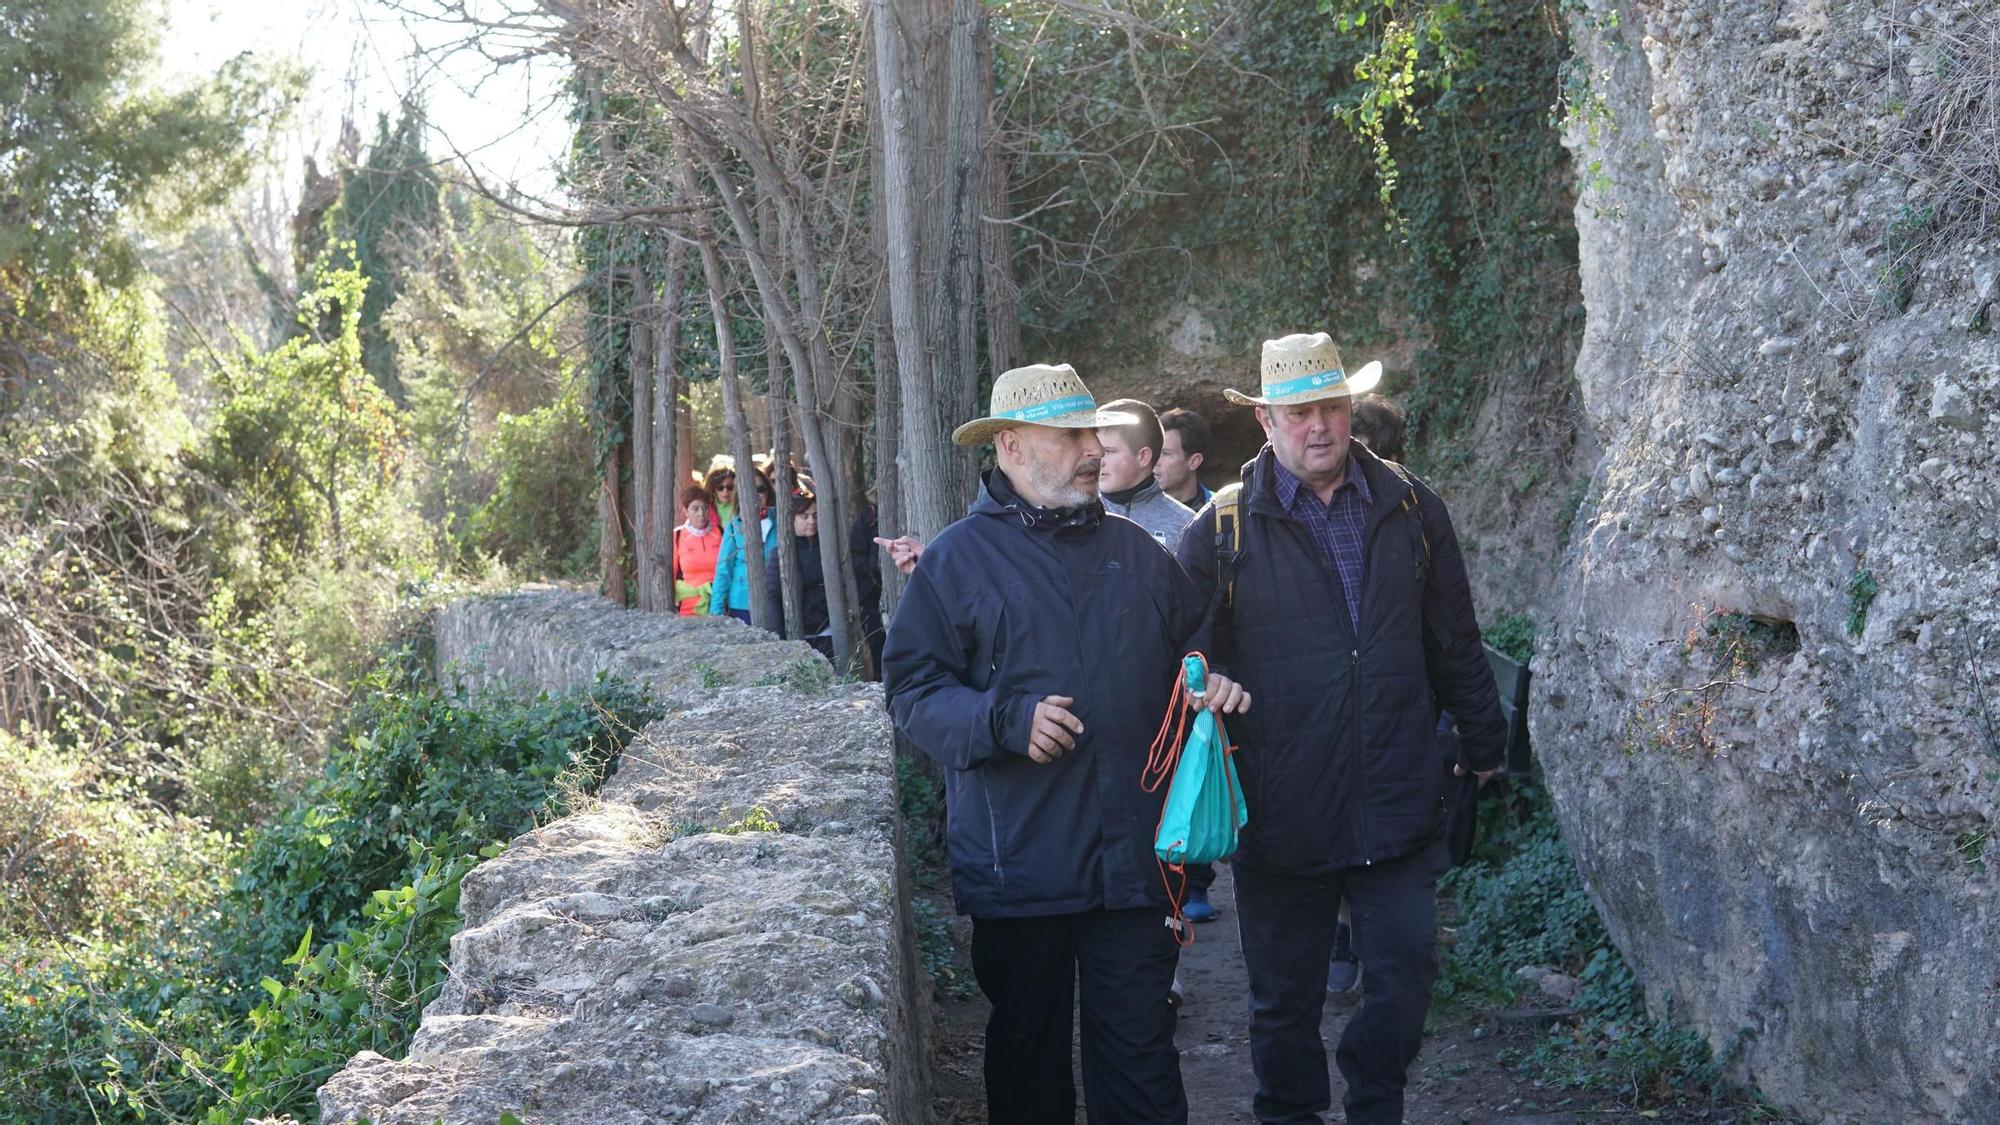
(742, 615)
(1031, 969)
(1288, 923)
(1200, 875)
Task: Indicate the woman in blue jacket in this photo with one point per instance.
(732, 579)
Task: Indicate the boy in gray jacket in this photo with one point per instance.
(1127, 483)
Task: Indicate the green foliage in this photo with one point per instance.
(1861, 591)
(88, 139)
(921, 800)
(1971, 847)
(308, 439)
(237, 1002)
(1520, 902)
(938, 950)
(1514, 635)
(363, 993)
(118, 1028)
(1909, 233)
(1258, 199)
(758, 819)
(418, 771)
(1743, 642)
(84, 852)
(389, 206)
(807, 676)
(1415, 48)
(542, 505)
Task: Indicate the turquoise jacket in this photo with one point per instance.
(732, 578)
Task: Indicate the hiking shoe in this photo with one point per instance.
(1343, 969)
(1342, 976)
(1197, 908)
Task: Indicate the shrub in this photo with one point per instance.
(416, 772)
(335, 928)
(83, 854)
(543, 507)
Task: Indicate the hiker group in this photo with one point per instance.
(711, 574)
(1041, 638)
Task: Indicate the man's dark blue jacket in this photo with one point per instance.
(1011, 604)
(1338, 752)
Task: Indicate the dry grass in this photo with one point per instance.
(1952, 129)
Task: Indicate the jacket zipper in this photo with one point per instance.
(993, 832)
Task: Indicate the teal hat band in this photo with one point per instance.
(1074, 404)
(1304, 383)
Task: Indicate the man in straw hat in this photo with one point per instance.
(1342, 605)
(1033, 654)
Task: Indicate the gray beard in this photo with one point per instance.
(1059, 491)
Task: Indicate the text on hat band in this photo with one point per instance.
(1305, 383)
(1035, 412)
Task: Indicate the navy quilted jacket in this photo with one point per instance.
(1338, 751)
(1011, 604)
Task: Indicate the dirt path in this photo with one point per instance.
(1458, 1079)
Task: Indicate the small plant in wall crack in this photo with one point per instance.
(1861, 591)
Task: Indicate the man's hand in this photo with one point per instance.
(1054, 730)
(904, 551)
(1484, 776)
(1224, 696)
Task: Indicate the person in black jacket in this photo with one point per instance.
(1032, 654)
(1346, 613)
(813, 619)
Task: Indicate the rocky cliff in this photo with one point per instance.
(1768, 701)
(725, 936)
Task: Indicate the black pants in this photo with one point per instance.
(1200, 875)
(1030, 970)
(1288, 923)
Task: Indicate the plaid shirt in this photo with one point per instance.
(1337, 527)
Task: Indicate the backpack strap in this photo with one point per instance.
(1228, 543)
(1413, 516)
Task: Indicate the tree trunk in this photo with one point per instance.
(781, 467)
(640, 339)
(957, 316)
(686, 465)
(828, 416)
(924, 461)
(611, 544)
(739, 433)
(888, 404)
(1002, 296)
(667, 445)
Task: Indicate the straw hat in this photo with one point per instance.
(1041, 395)
(1306, 367)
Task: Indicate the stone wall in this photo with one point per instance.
(1779, 785)
(661, 956)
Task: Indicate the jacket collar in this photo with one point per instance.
(1126, 497)
(997, 498)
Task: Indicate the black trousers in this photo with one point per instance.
(1030, 970)
(1287, 923)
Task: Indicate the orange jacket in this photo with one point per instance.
(694, 565)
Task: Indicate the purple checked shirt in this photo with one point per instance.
(1337, 527)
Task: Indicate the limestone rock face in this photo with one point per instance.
(1768, 702)
(665, 956)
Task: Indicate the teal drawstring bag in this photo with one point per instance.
(1204, 809)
